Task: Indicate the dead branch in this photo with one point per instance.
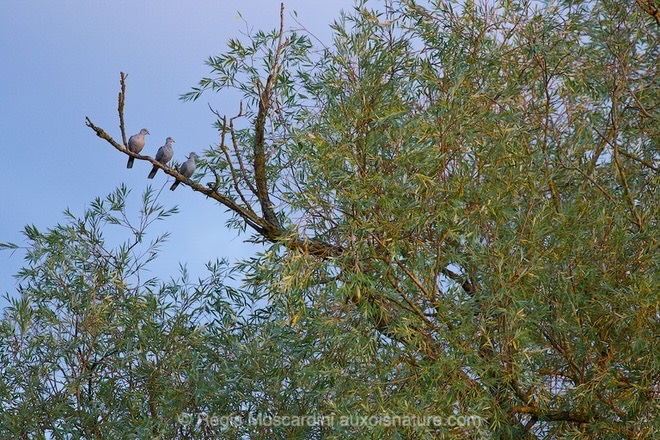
(265, 99)
(120, 107)
(267, 226)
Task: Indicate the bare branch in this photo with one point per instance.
(265, 98)
(244, 212)
(234, 173)
(269, 230)
(103, 135)
(237, 152)
(120, 107)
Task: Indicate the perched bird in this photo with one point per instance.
(163, 156)
(187, 169)
(136, 144)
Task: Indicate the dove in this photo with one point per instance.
(163, 156)
(136, 144)
(187, 169)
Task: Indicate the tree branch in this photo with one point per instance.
(235, 175)
(651, 8)
(260, 129)
(270, 230)
(120, 107)
(245, 212)
(552, 416)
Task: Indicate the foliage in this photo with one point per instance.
(459, 205)
(92, 350)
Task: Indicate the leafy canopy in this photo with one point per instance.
(458, 206)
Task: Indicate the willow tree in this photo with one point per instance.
(459, 204)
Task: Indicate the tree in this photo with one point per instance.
(458, 200)
(92, 349)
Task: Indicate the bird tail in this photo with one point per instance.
(129, 164)
(153, 172)
(174, 185)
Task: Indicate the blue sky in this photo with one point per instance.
(60, 61)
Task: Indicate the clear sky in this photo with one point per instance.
(60, 61)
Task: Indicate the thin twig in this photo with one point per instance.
(237, 152)
(626, 153)
(120, 107)
(234, 173)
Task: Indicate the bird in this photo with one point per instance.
(187, 169)
(163, 156)
(136, 144)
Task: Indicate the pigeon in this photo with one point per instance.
(136, 144)
(163, 156)
(187, 169)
